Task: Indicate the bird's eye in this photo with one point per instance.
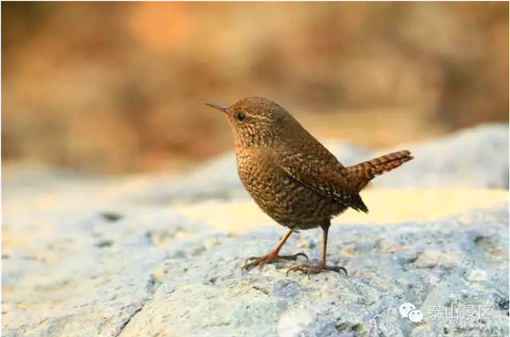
(240, 117)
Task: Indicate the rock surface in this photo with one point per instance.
(84, 256)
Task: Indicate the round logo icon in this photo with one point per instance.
(405, 309)
(415, 316)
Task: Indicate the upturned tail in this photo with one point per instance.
(364, 172)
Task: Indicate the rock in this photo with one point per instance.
(137, 280)
(287, 290)
(475, 275)
(388, 245)
(121, 257)
(294, 322)
(430, 258)
(474, 158)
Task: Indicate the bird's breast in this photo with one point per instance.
(284, 199)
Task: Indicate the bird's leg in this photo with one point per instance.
(273, 256)
(315, 269)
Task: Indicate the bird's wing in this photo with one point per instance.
(322, 173)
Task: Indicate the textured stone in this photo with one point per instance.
(431, 258)
(201, 291)
(475, 158)
(84, 256)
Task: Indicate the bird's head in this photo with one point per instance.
(256, 121)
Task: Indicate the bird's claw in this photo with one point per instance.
(315, 269)
(253, 261)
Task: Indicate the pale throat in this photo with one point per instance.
(253, 139)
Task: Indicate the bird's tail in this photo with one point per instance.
(364, 172)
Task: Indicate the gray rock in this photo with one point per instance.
(475, 158)
(138, 285)
(430, 258)
(287, 289)
(364, 304)
(103, 257)
(294, 321)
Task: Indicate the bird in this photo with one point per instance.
(293, 178)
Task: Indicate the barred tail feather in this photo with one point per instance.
(364, 172)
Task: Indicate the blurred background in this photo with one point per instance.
(118, 87)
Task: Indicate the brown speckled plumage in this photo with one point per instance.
(291, 176)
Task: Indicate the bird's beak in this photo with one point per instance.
(217, 106)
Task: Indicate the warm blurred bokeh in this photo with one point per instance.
(118, 87)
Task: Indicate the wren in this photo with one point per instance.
(292, 177)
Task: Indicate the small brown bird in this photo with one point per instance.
(292, 177)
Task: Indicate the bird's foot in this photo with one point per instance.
(269, 258)
(315, 269)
